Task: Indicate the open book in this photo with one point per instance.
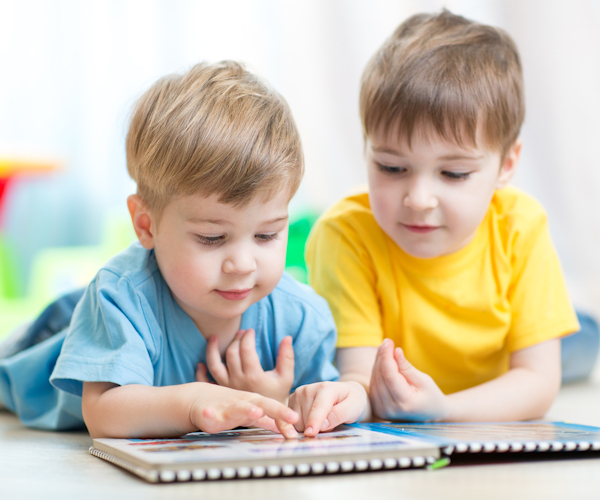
(244, 453)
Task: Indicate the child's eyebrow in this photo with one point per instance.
(460, 157)
(277, 219)
(196, 220)
(220, 222)
(385, 149)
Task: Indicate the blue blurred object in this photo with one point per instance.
(580, 350)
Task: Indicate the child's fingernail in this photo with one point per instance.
(290, 432)
(325, 424)
(308, 430)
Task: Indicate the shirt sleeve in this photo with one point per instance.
(541, 308)
(109, 339)
(343, 272)
(314, 350)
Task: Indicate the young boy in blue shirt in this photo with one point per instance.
(216, 157)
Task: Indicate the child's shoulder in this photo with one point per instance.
(354, 206)
(517, 210)
(520, 220)
(135, 265)
(350, 214)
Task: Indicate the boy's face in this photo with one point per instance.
(219, 259)
(430, 198)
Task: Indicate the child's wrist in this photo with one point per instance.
(447, 410)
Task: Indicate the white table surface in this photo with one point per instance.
(56, 465)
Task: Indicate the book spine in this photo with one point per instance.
(259, 471)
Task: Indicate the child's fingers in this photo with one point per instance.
(287, 430)
(213, 360)
(295, 403)
(350, 407)
(266, 423)
(344, 412)
(411, 374)
(381, 399)
(285, 359)
(388, 387)
(322, 405)
(232, 356)
(250, 362)
(388, 370)
(276, 410)
(238, 413)
(202, 373)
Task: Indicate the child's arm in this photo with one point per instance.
(526, 391)
(136, 411)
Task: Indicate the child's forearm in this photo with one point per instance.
(355, 365)
(519, 394)
(139, 411)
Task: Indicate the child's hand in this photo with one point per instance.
(220, 408)
(244, 371)
(401, 392)
(325, 405)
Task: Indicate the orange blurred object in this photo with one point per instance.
(11, 168)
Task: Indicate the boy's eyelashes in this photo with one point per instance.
(456, 176)
(267, 236)
(448, 174)
(214, 240)
(387, 169)
(210, 240)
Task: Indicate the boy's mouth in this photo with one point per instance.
(420, 229)
(234, 294)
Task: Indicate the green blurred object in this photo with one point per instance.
(9, 288)
(56, 271)
(297, 236)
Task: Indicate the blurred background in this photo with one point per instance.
(71, 70)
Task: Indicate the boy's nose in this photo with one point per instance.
(239, 263)
(420, 197)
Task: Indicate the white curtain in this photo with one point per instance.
(71, 70)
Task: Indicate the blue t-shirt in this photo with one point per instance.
(128, 329)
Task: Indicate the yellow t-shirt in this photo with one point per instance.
(457, 317)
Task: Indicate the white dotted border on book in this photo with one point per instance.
(259, 471)
(526, 447)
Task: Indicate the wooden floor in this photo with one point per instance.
(48, 465)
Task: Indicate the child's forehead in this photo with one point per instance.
(198, 208)
(426, 138)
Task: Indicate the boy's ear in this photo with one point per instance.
(509, 166)
(142, 221)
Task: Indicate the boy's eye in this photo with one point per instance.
(386, 169)
(209, 240)
(266, 237)
(456, 176)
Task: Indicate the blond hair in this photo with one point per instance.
(217, 129)
(446, 74)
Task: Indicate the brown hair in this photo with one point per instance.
(449, 73)
(215, 129)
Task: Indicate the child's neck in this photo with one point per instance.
(223, 328)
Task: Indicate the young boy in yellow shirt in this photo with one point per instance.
(440, 258)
